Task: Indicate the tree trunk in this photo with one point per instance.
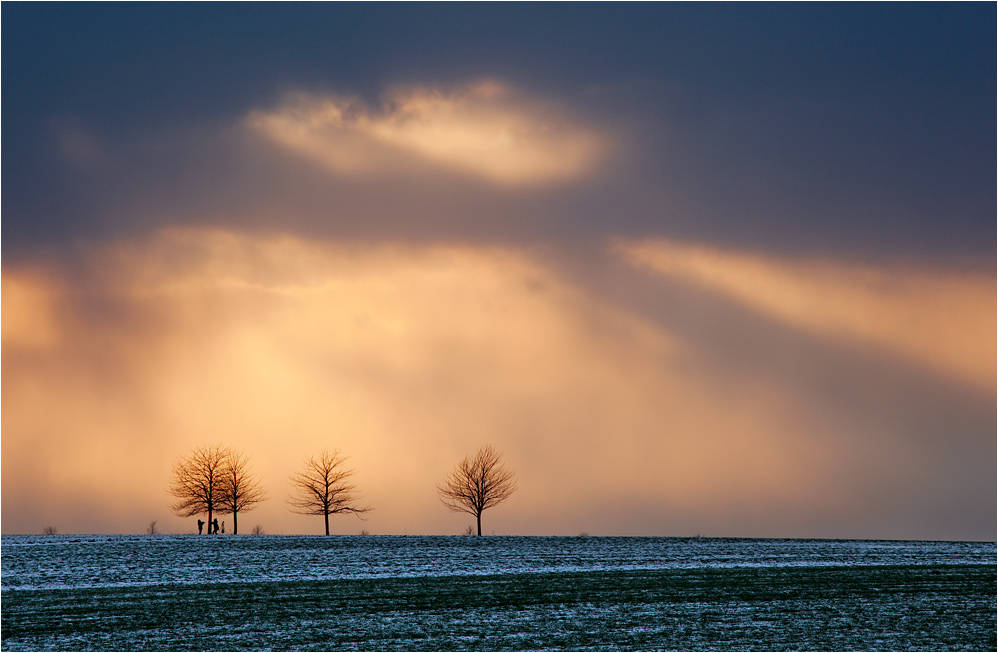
(234, 528)
(209, 520)
(327, 523)
(479, 517)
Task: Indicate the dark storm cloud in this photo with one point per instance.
(853, 128)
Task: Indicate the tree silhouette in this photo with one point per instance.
(240, 490)
(199, 481)
(322, 488)
(478, 483)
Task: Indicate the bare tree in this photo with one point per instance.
(152, 530)
(49, 530)
(322, 488)
(478, 483)
(240, 490)
(199, 482)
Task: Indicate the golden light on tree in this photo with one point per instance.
(322, 488)
(478, 483)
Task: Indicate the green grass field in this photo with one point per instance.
(823, 608)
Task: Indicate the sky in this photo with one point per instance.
(694, 269)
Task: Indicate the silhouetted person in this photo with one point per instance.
(223, 528)
(214, 525)
(200, 527)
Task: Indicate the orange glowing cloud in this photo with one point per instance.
(484, 131)
(29, 303)
(941, 319)
(405, 358)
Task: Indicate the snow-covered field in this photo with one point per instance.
(442, 593)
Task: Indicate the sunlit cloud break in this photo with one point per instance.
(941, 319)
(405, 358)
(484, 130)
